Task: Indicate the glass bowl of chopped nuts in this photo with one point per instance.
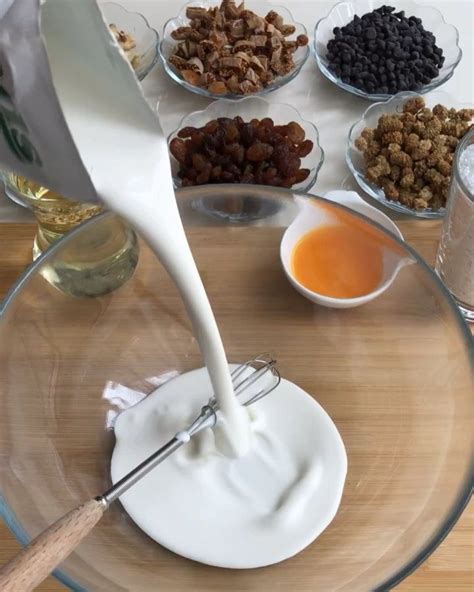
(227, 51)
(375, 53)
(401, 151)
(251, 141)
(138, 40)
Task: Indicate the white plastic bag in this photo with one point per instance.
(67, 94)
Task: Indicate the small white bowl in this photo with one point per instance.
(311, 216)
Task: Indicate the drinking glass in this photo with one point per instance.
(104, 258)
(455, 258)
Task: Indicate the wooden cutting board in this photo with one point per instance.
(450, 568)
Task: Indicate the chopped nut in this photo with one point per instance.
(217, 87)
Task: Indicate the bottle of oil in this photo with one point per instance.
(99, 260)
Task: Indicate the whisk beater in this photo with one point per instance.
(251, 381)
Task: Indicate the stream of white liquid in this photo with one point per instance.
(260, 487)
(127, 159)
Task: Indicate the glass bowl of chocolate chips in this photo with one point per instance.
(249, 141)
(376, 53)
(228, 51)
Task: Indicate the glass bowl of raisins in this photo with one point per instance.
(251, 141)
(375, 53)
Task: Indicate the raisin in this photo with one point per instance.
(178, 150)
(236, 151)
(281, 153)
(203, 177)
(270, 176)
(190, 173)
(304, 148)
(259, 151)
(232, 132)
(197, 137)
(210, 153)
(216, 173)
(281, 129)
(288, 182)
(264, 133)
(295, 132)
(219, 138)
(290, 166)
(186, 132)
(200, 162)
(210, 127)
(267, 122)
(227, 177)
(234, 169)
(247, 134)
(302, 175)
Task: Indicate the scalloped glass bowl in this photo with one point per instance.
(447, 37)
(257, 107)
(369, 118)
(395, 375)
(146, 38)
(168, 44)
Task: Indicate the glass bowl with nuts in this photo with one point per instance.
(401, 151)
(137, 39)
(251, 141)
(227, 50)
(377, 52)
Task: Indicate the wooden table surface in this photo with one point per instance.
(450, 568)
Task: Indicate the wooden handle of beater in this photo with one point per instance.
(37, 560)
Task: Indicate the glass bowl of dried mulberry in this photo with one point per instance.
(250, 141)
(229, 50)
(377, 51)
(401, 151)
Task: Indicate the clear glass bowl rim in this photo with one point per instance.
(433, 85)
(465, 492)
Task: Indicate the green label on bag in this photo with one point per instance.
(14, 129)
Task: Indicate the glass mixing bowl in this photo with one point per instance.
(395, 375)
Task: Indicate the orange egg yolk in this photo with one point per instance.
(339, 261)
